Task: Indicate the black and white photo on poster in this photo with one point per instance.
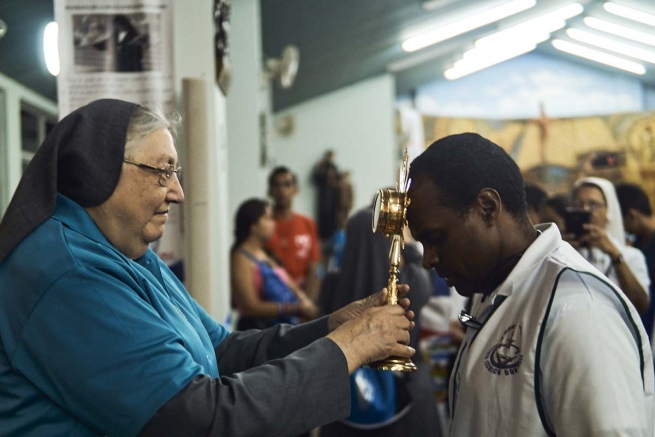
(124, 43)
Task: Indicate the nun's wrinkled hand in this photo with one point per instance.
(377, 333)
(356, 308)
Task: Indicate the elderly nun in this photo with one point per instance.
(98, 337)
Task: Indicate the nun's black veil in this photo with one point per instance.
(81, 158)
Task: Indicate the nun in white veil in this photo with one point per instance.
(603, 245)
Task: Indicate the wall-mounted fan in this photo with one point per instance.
(285, 68)
(3, 28)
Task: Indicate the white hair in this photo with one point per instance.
(145, 120)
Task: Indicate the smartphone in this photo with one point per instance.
(575, 219)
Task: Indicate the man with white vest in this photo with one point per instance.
(552, 347)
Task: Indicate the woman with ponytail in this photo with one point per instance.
(262, 291)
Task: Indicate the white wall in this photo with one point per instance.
(10, 133)
(649, 99)
(357, 122)
(246, 100)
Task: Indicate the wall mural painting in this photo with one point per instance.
(553, 153)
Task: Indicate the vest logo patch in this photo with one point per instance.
(505, 357)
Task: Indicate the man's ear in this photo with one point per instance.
(489, 205)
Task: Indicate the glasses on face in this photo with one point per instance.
(165, 173)
(285, 184)
(590, 206)
(468, 320)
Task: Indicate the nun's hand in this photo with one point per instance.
(570, 238)
(597, 237)
(356, 308)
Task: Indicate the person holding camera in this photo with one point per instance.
(602, 240)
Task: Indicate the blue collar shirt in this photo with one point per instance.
(93, 343)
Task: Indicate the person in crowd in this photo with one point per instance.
(553, 210)
(294, 242)
(535, 197)
(326, 177)
(263, 292)
(603, 243)
(551, 346)
(98, 337)
(638, 221)
(412, 411)
(128, 45)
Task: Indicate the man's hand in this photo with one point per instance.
(355, 309)
(377, 333)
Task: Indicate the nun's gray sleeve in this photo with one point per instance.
(243, 350)
(283, 397)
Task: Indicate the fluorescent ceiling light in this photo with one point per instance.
(474, 21)
(480, 54)
(50, 48)
(479, 62)
(535, 28)
(632, 14)
(622, 31)
(431, 5)
(595, 55)
(612, 45)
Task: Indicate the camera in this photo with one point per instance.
(575, 219)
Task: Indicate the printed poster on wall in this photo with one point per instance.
(114, 49)
(120, 49)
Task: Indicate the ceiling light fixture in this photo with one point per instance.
(50, 48)
(3, 28)
(612, 45)
(466, 24)
(596, 56)
(632, 14)
(622, 31)
(474, 62)
(483, 53)
(533, 29)
(433, 5)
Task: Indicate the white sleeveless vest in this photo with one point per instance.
(496, 387)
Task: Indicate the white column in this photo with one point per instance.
(204, 158)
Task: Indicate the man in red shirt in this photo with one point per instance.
(295, 241)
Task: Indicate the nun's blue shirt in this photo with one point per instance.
(91, 342)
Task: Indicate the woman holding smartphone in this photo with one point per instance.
(603, 242)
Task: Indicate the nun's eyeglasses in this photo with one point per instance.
(165, 173)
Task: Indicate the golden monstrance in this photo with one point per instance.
(389, 219)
